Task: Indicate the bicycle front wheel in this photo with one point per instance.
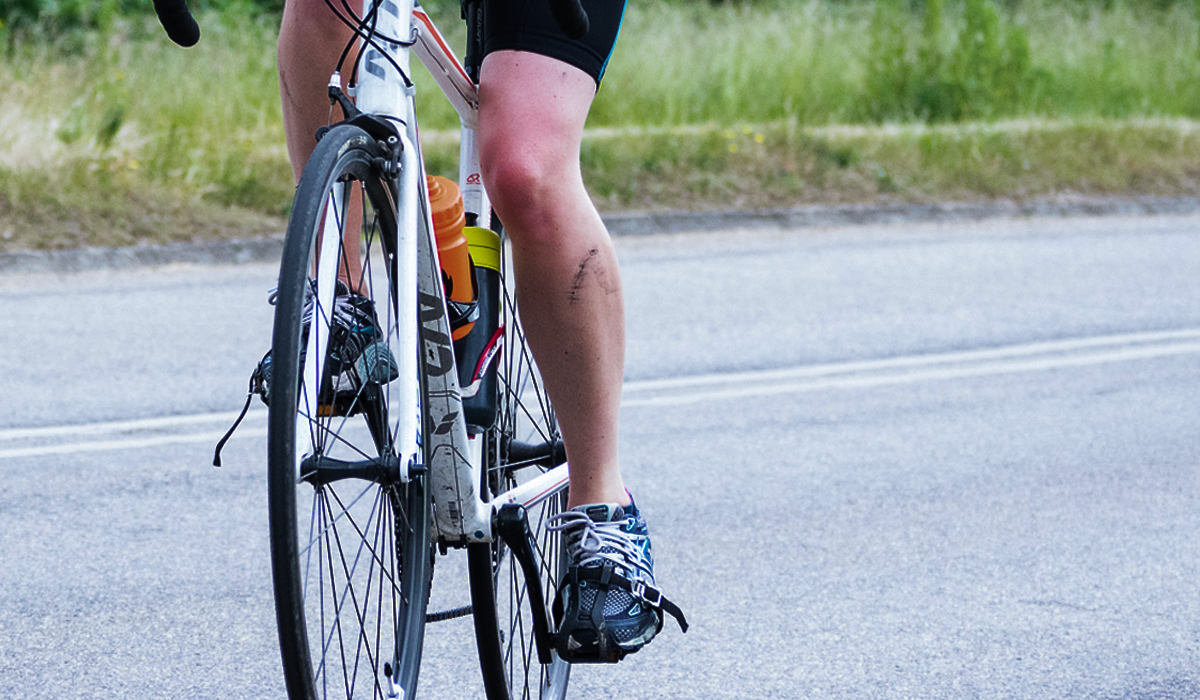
(350, 546)
(524, 443)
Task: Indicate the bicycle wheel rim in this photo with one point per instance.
(504, 632)
(350, 557)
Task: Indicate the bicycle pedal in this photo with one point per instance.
(348, 403)
(343, 405)
(582, 646)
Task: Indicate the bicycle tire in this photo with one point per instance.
(504, 634)
(351, 557)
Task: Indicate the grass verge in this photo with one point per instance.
(784, 164)
(110, 136)
(694, 168)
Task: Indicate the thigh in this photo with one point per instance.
(531, 115)
(535, 99)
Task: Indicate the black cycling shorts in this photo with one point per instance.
(527, 25)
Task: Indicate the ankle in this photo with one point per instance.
(587, 496)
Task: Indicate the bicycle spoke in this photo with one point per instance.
(345, 594)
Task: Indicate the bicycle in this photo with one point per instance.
(455, 446)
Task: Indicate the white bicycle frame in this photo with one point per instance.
(455, 458)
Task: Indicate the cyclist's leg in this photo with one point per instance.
(532, 111)
(310, 41)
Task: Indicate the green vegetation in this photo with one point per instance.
(40, 18)
(111, 135)
(888, 61)
(786, 164)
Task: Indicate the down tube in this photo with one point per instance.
(459, 514)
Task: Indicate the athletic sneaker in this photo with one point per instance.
(357, 354)
(357, 357)
(607, 605)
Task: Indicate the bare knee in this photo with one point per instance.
(530, 193)
(514, 182)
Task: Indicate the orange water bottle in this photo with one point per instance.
(446, 204)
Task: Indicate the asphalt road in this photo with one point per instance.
(904, 461)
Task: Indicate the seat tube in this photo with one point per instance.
(470, 178)
(473, 58)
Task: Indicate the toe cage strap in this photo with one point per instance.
(654, 598)
(255, 387)
(650, 595)
(577, 626)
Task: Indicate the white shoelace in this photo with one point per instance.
(589, 539)
(343, 310)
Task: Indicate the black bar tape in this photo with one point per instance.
(178, 21)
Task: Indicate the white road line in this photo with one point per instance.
(130, 443)
(127, 426)
(866, 380)
(676, 391)
(1023, 350)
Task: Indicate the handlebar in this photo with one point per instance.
(178, 21)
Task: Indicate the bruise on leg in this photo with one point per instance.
(581, 275)
(589, 265)
(286, 87)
